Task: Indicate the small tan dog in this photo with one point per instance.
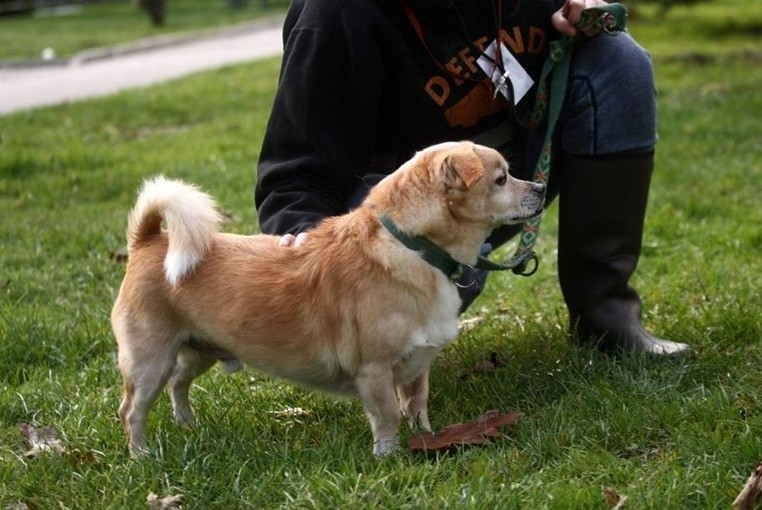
(352, 311)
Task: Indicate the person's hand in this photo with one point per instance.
(291, 240)
(566, 18)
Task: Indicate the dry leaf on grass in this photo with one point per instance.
(750, 495)
(20, 505)
(289, 412)
(42, 440)
(468, 324)
(484, 366)
(613, 498)
(45, 440)
(166, 503)
(471, 433)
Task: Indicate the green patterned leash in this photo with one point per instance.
(609, 18)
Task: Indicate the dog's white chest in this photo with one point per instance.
(426, 342)
(422, 348)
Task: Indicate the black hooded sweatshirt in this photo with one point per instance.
(364, 84)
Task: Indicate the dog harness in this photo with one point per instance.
(438, 257)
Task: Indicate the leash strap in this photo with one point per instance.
(549, 101)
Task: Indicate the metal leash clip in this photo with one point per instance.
(466, 269)
(609, 23)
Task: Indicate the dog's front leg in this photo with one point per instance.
(414, 400)
(375, 384)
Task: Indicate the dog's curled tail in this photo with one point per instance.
(190, 216)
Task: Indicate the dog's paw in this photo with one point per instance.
(138, 452)
(384, 447)
(185, 420)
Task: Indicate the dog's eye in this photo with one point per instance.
(500, 181)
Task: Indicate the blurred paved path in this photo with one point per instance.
(105, 71)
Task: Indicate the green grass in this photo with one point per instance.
(111, 22)
(708, 28)
(669, 434)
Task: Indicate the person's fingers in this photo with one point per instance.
(286, 240)
(566, 18)
(574, 10)
(300, 239)
(562, 24)
(562, 18)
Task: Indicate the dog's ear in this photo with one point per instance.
(462, 170)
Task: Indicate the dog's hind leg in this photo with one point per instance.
(146, 367)
(414, 398)
(375, 384)
(191, 363)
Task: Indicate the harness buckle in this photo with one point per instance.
(465, 269)
(609, 23)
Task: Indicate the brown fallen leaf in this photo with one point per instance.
(468, 324)
(45, 440)
(290, 412)
(166, 503)
(749, 497)
(471, 433)
(42, 440)
(86, 457)
(613, 499)
(484, 366)
(20, 505)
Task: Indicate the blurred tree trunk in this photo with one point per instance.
(156, 10)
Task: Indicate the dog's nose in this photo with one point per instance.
(538, 188)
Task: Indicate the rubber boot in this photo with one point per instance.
(602, 205)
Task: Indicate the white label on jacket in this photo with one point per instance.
(512, 75)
